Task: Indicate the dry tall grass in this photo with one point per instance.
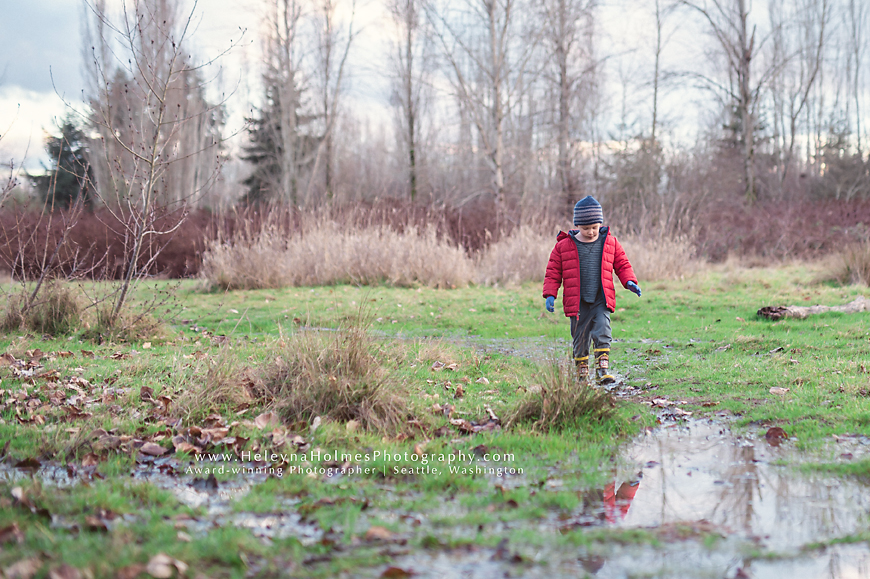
(323, 253)
(851, 266)
(320, 251)
(520, 257)
(658, 257)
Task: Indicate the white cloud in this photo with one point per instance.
(25, 116)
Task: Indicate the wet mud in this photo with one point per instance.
(711, 502)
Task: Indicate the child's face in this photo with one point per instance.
(589, 232)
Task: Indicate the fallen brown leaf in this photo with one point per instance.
(152, 449)
(267, 420)
(775, 435)
(442, 431)
(396, 573)
(162, 566)
(64, 572)
(11, 533)
(376, 533)
(24, 569)
(93, 523)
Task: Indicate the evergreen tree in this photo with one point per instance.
(265, 150)
(70, 173)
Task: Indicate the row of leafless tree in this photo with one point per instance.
(502, 100)
(514, 99)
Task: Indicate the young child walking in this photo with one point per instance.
(584, 260)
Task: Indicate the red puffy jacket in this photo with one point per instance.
(564, 266)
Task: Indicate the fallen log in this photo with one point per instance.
(859, 304)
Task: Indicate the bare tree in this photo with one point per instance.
(729, 22)
(332, 48)
(568, 41)
(410, 67)
(801, 61)
(144, 72)
(857, 14)
(283, 64)
(488, 59)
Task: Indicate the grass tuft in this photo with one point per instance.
(561, 404)
(56, 311)
(338, 376)
(216, 382)
(128, 327)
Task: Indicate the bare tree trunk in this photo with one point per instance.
(286, 19)
(745, 102)
(562, 45)
(497, 62)
(857, 20)
(410, 66)
(652, 164)
(568, 61)
(410, 109)
(330, 89)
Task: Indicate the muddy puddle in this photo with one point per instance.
(213, 499)
(717, 504)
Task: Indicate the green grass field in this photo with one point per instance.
(93, 414)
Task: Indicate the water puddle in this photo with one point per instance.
(700, 471)
(720, 505)
(213, 499)
(717, 504)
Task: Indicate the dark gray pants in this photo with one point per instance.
(593, 323)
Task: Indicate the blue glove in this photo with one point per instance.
(633, 287)
(551, 302)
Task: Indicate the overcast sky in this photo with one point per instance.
(41, 62)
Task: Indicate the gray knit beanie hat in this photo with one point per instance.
(588, 211)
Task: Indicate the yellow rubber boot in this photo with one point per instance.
(582, 369)
(602, 366)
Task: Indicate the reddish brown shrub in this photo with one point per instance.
(779, 230)
(95, 245)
